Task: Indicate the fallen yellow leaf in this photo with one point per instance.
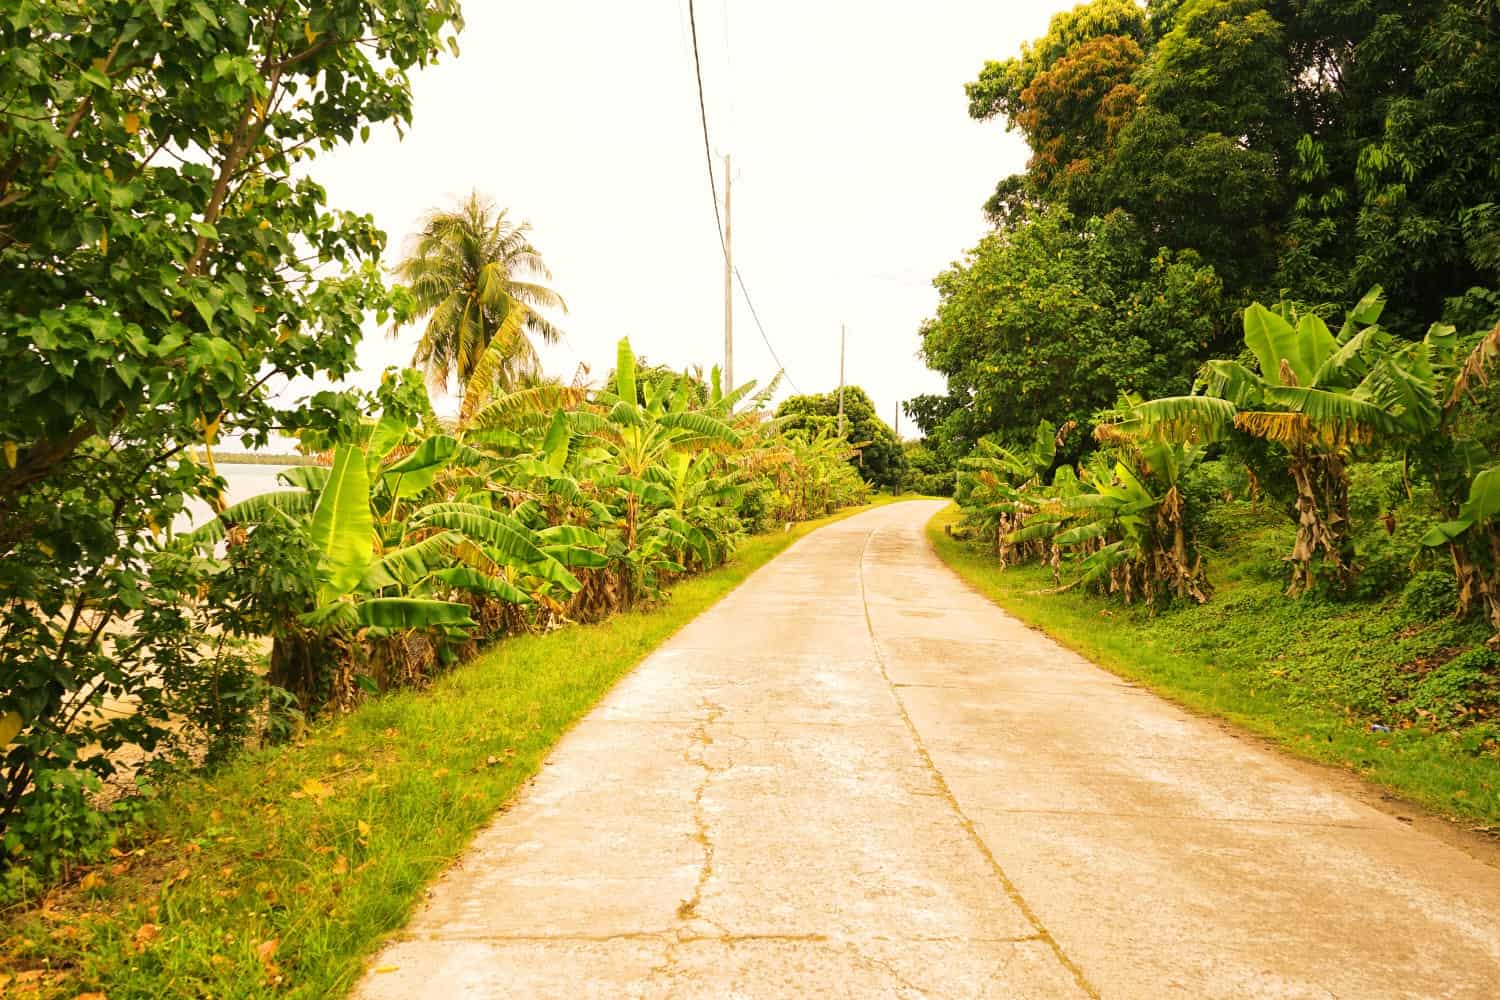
(316, 788)
(144, 935)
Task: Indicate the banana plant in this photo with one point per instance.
(1464, 476)
(1318, 396)
(1002, 491)
(1473, 539)
(633, 444)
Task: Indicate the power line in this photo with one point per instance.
(708, 155)
(753, 315)
(714, 190)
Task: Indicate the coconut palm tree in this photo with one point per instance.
(480, 285)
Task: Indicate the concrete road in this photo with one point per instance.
(856, 777)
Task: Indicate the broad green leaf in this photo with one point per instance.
(1445, 532)
(342, 532)
(552, 571)
(511, 540)
(306, 477)
(1484, 497)
(289, 505)
(1273, 340)
(577, 557)
(416, 471)
(409, 563)
(625, 372)
(570, 534)
(470, 579)
(555, 445)
(385, 435)
(1315, 344)
(411, 613)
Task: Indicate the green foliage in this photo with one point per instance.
(1057, 320)
(1268, 148)
(478, 281)
(876, 453)
(1429, 595)
(1464, 686)
(170, 265)
(927, 472)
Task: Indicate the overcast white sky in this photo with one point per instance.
(857, 173)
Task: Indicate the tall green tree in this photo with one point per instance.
(480, 283)
(167, 263)
(1045, 321)
(878, 455)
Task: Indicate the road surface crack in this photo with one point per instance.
(698, 753)
(946, 792)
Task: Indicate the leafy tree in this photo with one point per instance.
(1045, 321)
(1314, 149)
(474, 275)
(877, 456)
(166, 264)
(927, 472)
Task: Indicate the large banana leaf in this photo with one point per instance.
(570, 534)
(1484, 497)
(555, 444)
(386, 435)
(292, 504)
(409, 563)
(625, 372)
(342, 532)
(503, 411)
(512, 540)
(549, 569)
(1182, 418)
(305, 477)
(1082, 533)
(467, 578)
(1273, 340)
(416, 471)
(398, 613)
(1333, 411)
(577, 557)
(700, 425)
(1366, 312)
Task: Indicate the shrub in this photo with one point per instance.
(1465, 684)
(1430, 595)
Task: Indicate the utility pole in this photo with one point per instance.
(898, 421)
(728, 289)
(841, 380)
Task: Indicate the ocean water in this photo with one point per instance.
(245, 481)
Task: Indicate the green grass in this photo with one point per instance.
(1310, 675)
(282, 873)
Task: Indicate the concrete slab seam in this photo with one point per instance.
(947, 793)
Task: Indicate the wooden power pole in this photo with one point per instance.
(728, 290)
(841, 379)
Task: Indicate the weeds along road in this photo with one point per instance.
(856, 777)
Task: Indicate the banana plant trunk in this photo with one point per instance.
(1322, 520)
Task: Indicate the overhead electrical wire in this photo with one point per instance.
(708, 155)
(713, 188)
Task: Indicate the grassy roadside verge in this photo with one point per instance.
(279, 875)
(1309, 677)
